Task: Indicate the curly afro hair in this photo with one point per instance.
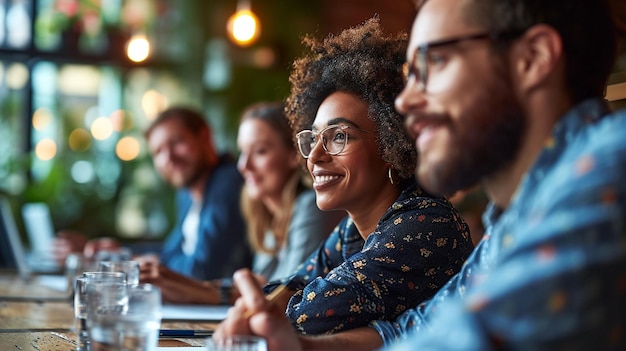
(360, 61)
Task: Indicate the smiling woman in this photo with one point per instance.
(284, 223)
(399, 243)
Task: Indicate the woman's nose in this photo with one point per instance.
(318, 150)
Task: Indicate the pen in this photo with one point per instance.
(184, 333)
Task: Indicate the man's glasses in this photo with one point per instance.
(334, 139)
(419, 65)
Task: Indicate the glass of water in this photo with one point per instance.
(124, 317)
(112, 254)
(75, 265)
(81, 287)
(129, 268)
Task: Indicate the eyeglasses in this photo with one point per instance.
(419, 65)
(334, 139)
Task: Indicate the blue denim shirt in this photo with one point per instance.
(550, 273)
(222, 246)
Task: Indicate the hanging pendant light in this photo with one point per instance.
(243, 26)
(138, 48)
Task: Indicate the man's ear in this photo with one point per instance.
(539, 54)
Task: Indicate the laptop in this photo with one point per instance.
(40, 233)
(14, 255)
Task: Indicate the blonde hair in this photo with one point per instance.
(259, 219)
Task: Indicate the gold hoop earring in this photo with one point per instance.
(390, 177)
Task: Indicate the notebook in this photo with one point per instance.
(204, 313)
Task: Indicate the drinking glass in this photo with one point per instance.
(116, 254)
(237, 343)
(81, 287)
(124, 317)
(129, 268)
(75, 265)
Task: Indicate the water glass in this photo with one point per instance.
(124, 317)
(237, 343)
(116, 254)
(75, 265)
(129, 268)
(81, 287)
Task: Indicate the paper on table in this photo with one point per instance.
(55, 282)
(175, 348)
(208, 313)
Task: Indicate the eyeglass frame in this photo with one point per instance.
(421, 53)
(321, 132)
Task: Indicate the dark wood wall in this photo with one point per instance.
(395, 15)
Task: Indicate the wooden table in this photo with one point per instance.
(37, 318)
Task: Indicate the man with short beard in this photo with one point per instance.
(208, 240)
(508, 94)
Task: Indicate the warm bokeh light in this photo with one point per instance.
(153, 103)
(42, 118)
(121, 120)
(79, 140)
(16, 76)
(79, 80)
(138, 48)
(46, 149)
(264, 57)
(101, 128)
(243, 27)
(127, 148)
(131, 220)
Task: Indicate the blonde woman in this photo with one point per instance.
(284, 222)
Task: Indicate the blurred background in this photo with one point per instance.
(81, 79)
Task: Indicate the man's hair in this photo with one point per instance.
(364, 62)
(586, 27)
(192, 120)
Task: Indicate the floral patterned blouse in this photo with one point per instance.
(419, 243)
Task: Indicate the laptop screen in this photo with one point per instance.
(7, 259)
(12, 252)
(39, 228)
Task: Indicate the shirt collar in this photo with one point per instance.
(585, 113)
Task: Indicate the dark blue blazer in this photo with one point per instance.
(222, 246)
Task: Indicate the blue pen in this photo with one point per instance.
(184, 333)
